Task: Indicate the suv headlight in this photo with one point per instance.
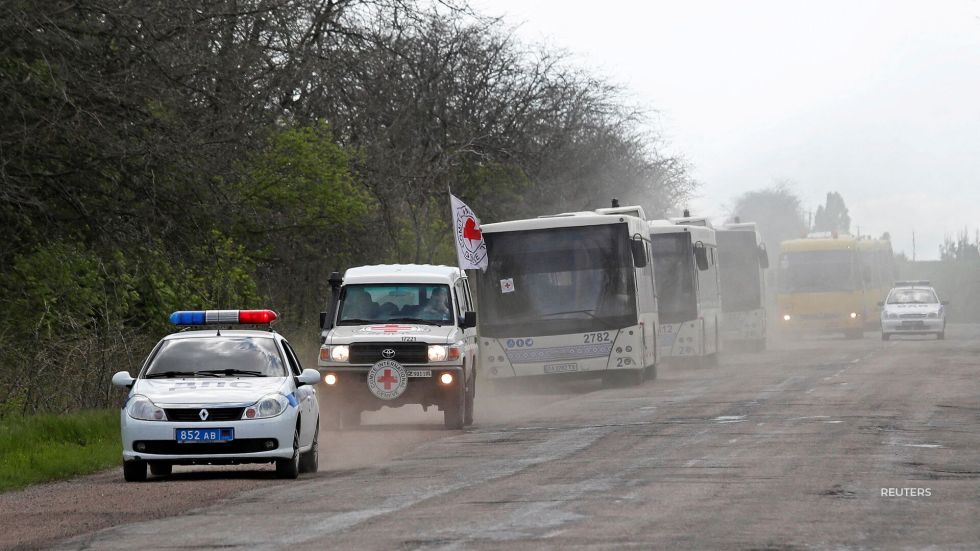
(340, 353)
(442, 353)
(268, 406)
(142, 408)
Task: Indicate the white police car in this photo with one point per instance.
(913, 308)
(220, 397)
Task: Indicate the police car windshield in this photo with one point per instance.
(217, 357)
(912, 296)
(426, 303)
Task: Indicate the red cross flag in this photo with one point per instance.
(470, 248)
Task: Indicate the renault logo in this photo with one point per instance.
(388, 353)
(203, 414)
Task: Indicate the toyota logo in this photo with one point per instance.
(388, 353)
(203, 414)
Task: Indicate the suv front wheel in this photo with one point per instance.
(454, 412)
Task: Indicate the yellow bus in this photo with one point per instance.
(829, 283)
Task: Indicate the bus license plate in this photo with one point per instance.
(186, 436)
(419, 372)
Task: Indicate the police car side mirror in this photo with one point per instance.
(880, 304)
(123, 379)
(944, 302)
(468, 321)
(309, 377)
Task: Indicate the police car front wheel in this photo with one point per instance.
(134, 471)
(289, 468)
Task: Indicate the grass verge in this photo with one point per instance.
(40, 448)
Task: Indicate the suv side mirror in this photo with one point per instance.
(323, 319)
(639, 251)
(468, 321)
(701, 256)
(123, 379)
(309, 377)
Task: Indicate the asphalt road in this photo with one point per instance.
(788, 449)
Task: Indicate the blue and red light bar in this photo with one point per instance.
(223, 317)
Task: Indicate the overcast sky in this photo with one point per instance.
(878, 100)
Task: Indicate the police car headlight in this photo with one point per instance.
(141, 407)
(933, 314)
(269, 406)
(891, 315)
(438, 353)
(340, 353)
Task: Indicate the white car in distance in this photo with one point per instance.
(913, 308)
(220, 397)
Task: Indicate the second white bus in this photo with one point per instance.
(685, 261)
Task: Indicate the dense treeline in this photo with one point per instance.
(195, 154)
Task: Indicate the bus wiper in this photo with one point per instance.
(589, 312)
(231, 371)
(181, 374)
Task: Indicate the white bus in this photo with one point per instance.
(569, 294)
(743, 285)
(685, 261)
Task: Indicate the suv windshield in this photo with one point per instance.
(557, 281)
(912, 296)
(428, 303)
(217, 357)
(673, 268)
(817, 271)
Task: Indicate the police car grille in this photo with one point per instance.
(193, 415)
(912, 316)
(238, 446)
(414, 353)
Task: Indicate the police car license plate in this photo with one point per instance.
(419, 372)
(186, 436)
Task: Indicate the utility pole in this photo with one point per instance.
(913, 245)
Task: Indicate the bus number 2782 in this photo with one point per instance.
(592, 338)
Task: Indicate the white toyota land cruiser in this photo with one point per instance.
(396, 335)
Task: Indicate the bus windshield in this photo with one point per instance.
(557, 281)
(817, 271)
(741, 287)
(673, 269)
